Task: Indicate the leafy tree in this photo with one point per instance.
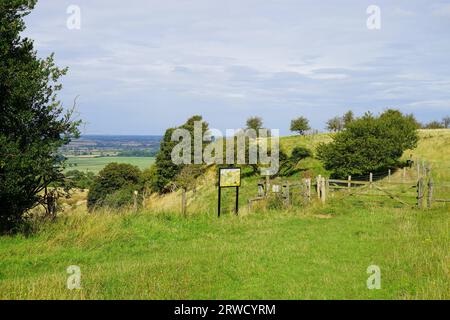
(370, 144)
(300, 125)
(112, 179)
(33, 123)
(165, 169)
(348, 118)
(335, 124)
(254, 123)
(446, 122)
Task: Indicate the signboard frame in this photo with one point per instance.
(236, 210)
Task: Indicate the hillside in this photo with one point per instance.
(313, 252)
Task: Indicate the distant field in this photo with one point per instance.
(97, 164)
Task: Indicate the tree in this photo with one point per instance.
(434, 125)
(165, 169)
(335, 124)
(370, 144)
(446, 122)
(348, 118)
(115, 178)
(300, 125)
(33, 122)
(254, 123)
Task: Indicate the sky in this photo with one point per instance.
(142, 66)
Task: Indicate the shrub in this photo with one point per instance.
(114, 177)
(120, 198)
(300, 153)
(79, 179)
(370, 144)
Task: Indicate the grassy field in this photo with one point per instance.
(314, 252)
(95, 164)
(320, 253)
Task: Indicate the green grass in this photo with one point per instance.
(321, 253)
(315, 252)
(96, 164)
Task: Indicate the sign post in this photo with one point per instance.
(229, 178)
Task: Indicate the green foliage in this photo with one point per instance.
(120, 198)
(113, 178)
(33, 123)
(165, 169)
(288, 165)
(300, 125)
(186, 179)
(79, 179)
(348, 118)
(370, 144)
(254, 123)
(300, 153)
(335, 124)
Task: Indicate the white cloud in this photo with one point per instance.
(160, 60)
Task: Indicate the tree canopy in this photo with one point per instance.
(165, 169)
(33, 122)
(254, 123)
(370, 144)
(300, 125)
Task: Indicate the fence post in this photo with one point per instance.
(323, 189)
(319, 187)
(135, 197)
(183, 201)
(267, 185)
(285, 193)
(389, 175)
(349, 185)
(371, 180)
(420, 193)
(430, 193)
(308, 188)
(261, 191)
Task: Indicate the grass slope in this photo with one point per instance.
(300, 253)
(322, 253)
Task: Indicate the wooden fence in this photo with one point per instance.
(410, 186)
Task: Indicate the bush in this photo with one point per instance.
(120, 198)
(300, 153)
(288, 165)
(79, 179)
(370, 144)
(113, 178)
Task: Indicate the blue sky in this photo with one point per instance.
(140, 67)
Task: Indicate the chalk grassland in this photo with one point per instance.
(95, 164)
(315, 252)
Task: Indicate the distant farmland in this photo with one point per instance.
(95, 164)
